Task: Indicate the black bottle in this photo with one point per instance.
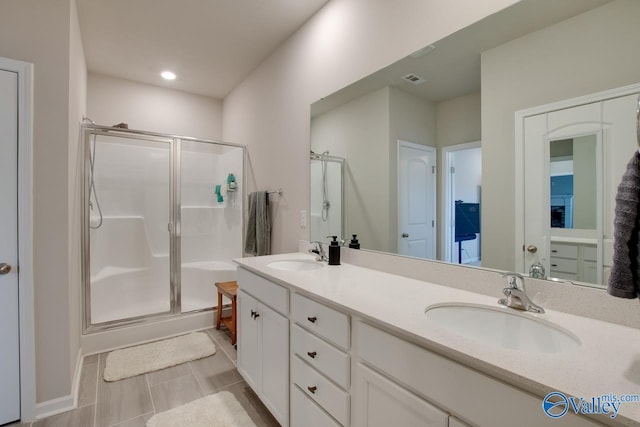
(354, 244)
(334, 251)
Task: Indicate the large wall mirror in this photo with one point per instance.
(426, 147)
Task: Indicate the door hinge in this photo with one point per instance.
(452, 169)
(433, 223)
(433, 169)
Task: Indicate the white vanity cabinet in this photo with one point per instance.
(399, 383)
(320, 364)
(574, 261)
(263, 341)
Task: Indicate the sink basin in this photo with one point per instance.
(295, 265)
(503, 328)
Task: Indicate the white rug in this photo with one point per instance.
(141, 359)
(216, 410)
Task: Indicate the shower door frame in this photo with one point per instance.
(343, 207)
(175, 262)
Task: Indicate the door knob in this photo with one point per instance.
(5, 268)
(405, 235)
(532, 249)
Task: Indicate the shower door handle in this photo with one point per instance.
(5, 268)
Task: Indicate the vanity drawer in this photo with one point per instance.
(306, 413)
(564, 251)
(323, 356)
(321, 320)
(322, 391)
(589, 253)
(275, 296)
(564, 265)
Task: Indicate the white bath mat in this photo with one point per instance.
(216, 410)
(141, 359)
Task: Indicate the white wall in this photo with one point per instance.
(588, 53)
(345, 41)
(459, 120)
(112, 100)
(46, 34)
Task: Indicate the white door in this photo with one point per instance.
(416, 200)
(9, 332)
(540, 132)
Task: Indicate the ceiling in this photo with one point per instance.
(451, 66)
(212, 45)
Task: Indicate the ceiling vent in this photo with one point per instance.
(413, 79)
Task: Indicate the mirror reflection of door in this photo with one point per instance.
(416, 200)
(326, 197)
(573, 159)
(462, 194)
(572, 180)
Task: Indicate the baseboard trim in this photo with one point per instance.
(54, 406)
(64, 403)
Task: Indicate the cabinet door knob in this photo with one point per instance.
(254, 314)
(312, 319)
(312, 389)
(312, 354)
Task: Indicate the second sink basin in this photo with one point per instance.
(295, 265)
(502, 327)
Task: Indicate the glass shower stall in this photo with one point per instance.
(162, 222)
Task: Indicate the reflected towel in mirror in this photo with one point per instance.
(623, 282)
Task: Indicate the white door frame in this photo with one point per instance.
(24, 71)
(448, 190)
(425, 148)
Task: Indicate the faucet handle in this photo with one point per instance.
(513, 279)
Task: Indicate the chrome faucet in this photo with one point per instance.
(319, 251)
(516, 295)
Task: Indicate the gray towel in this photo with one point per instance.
(623, 281)
(258, 241)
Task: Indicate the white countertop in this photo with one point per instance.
(608, 360)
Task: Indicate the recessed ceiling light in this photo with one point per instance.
(168, 75)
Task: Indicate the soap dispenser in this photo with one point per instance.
(354, 244)
(334, 251)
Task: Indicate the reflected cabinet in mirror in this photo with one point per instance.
(439, 156)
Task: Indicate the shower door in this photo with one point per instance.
(327, 197)
(129, 232)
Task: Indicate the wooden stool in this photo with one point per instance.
(229, 290)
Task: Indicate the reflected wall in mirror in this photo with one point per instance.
(469, 87)
(572, 180)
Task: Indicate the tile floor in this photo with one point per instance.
(132, 401)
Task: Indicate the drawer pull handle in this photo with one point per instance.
(312, 389)
(312, 319)
(554, 265)
(555, 251)
(312, 354)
